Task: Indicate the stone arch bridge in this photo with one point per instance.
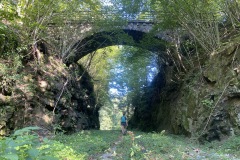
(133, 33)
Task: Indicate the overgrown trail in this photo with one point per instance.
(111, 145)
(140, 146)
(110, 153)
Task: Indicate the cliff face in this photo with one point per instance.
(48, 94)
(206, 102)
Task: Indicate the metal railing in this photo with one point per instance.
(108, 15)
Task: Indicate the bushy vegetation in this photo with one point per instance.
(25, 144)
(90, 143)
(139, 145)
(230, 146)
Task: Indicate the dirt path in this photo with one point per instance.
(110, 153)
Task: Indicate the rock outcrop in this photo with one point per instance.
(204, 103)
(48, 94)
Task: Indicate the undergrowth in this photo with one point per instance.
(157, 146)
(25, 144)
(90, 142)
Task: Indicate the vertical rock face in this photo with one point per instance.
(48, 95)
(77, 108)
(144, 106)
(208, 101)
(205, 104)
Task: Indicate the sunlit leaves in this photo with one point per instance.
(24, 144)
(98, 65)
(134, 70)
(201, 19)
(8, 41)
(8, 10)
(122, 69)
(32, 17)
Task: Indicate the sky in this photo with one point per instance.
(106, 2)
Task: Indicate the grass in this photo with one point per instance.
(91, 142)
(135, 145)
(150, 146)
(155, 146)
(229, 146)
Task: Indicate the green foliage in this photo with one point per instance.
(30, 20)
(89, 142)
(58, 151)
(159, 146)
(20, 145)
(201, 19)
(8, 42)
(123, 68)
(196, 17)
(98, 65)
(132, 72)
(151, 146)
(25, 144)
(208, 103)
(8, 10)
(109, 115)
(230, 146)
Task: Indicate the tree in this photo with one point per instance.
(36, 20)
(201, 19)
(137, 67)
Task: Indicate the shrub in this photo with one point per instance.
(24, 144)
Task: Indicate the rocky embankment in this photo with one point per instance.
(47, 94)
(205, 103)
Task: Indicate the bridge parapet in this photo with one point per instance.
(112, 15)
(139, 25)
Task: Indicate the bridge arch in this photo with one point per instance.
(119, 36)
(129, 35)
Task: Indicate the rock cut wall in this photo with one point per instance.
(206, 103)
(203, 103)
(48, 94)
